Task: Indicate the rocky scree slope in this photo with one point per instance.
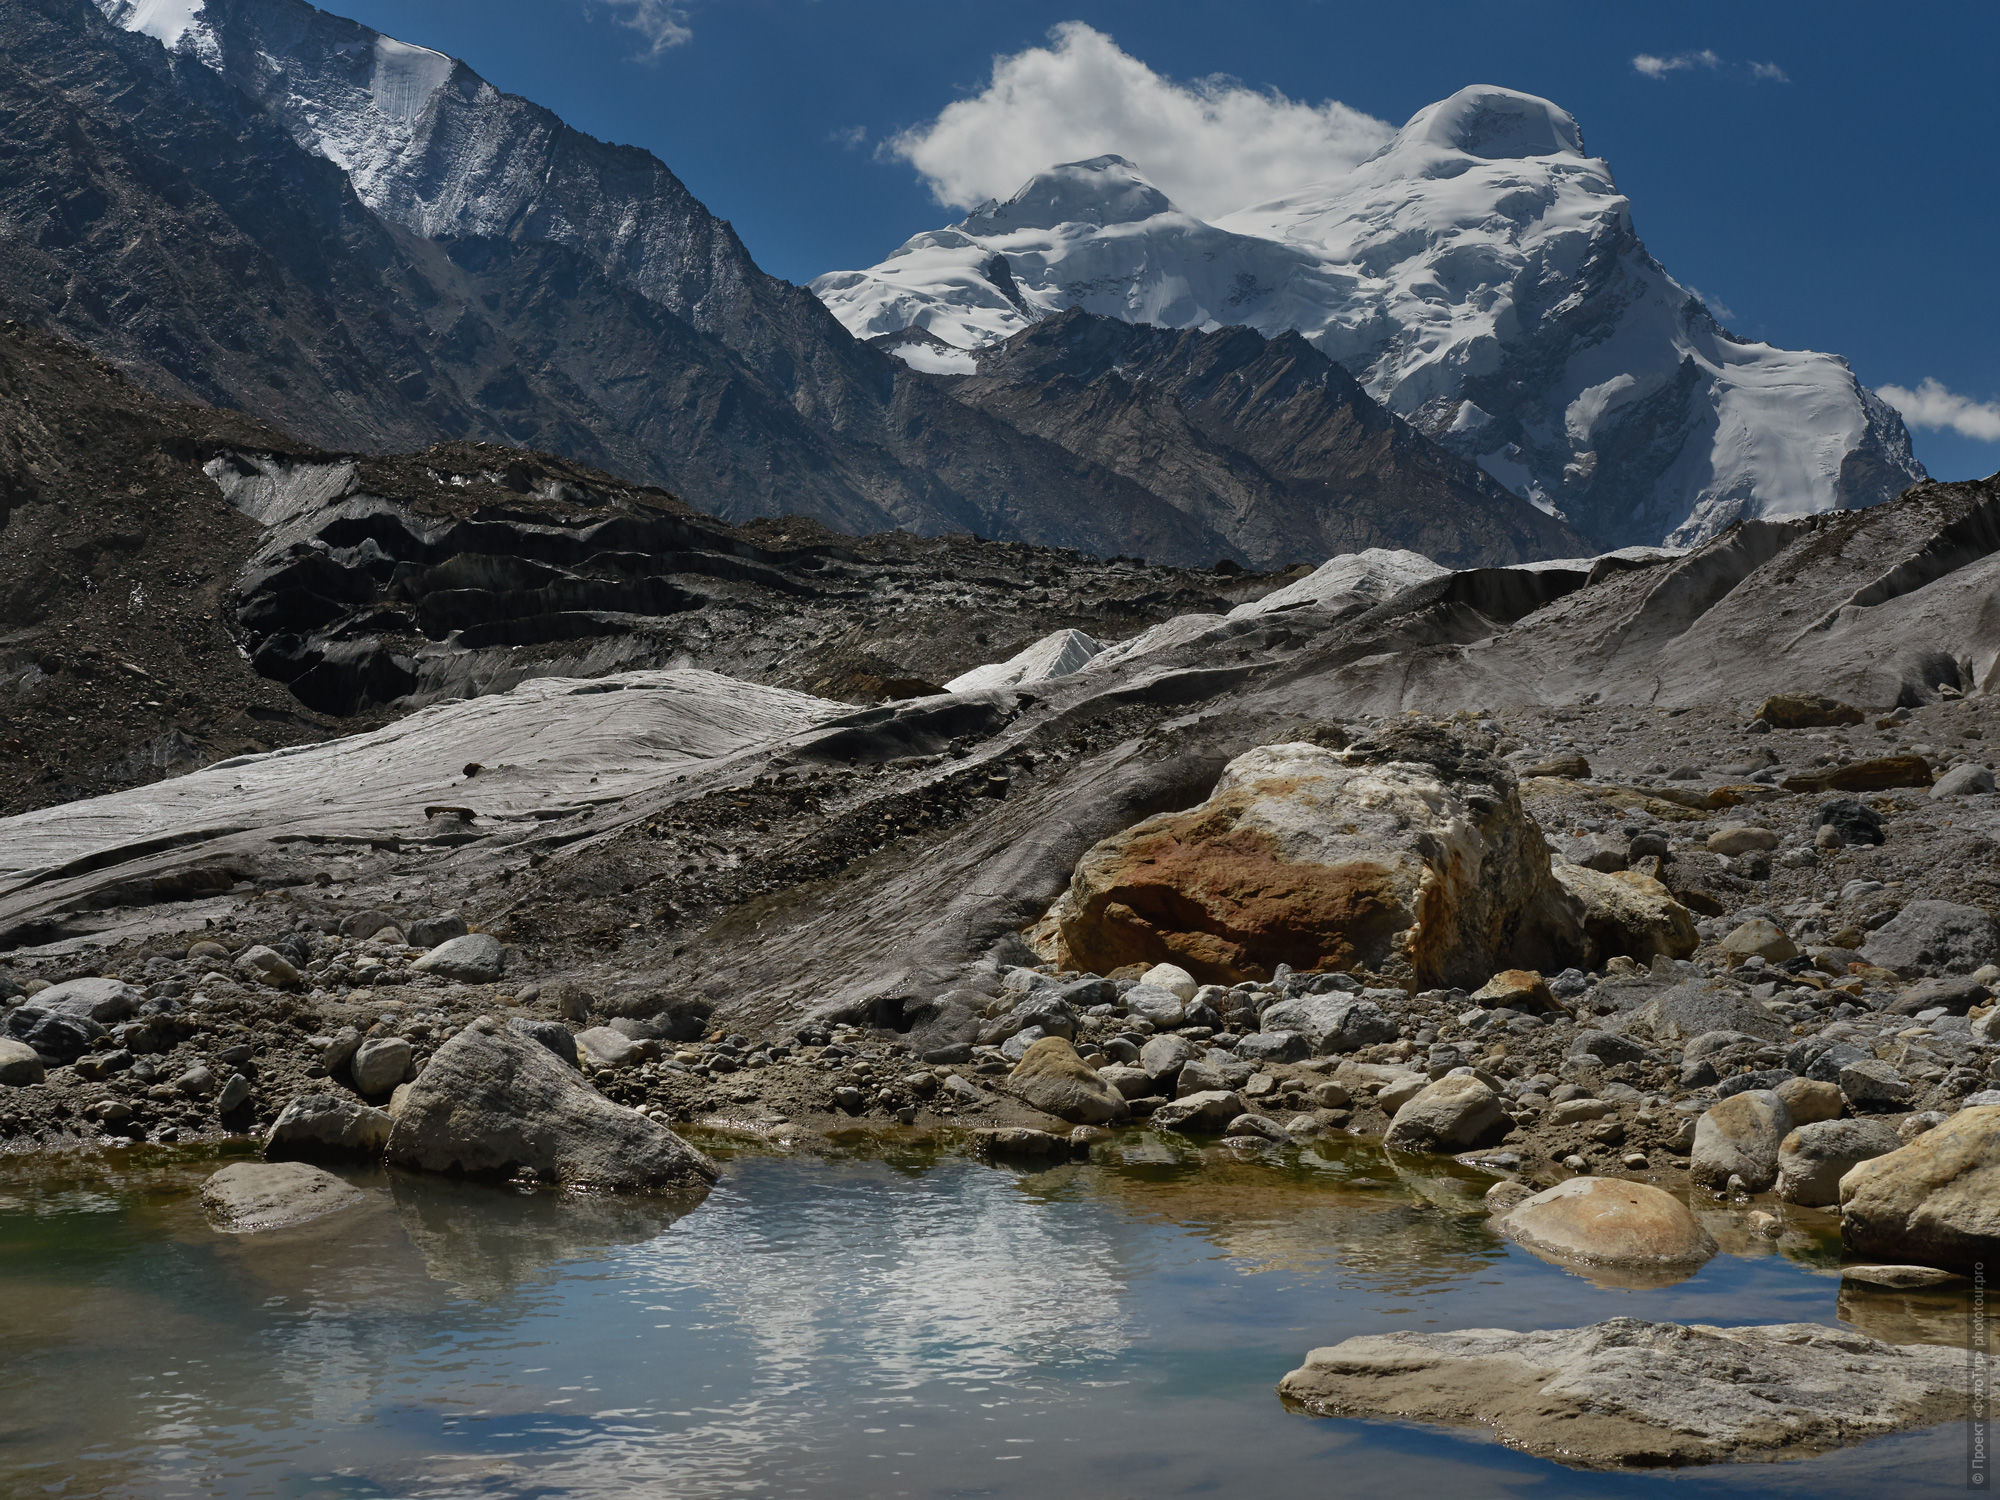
(743, 871)
(182, 586)
(1481, 275)
(119, 660)
(408, 254)
(461, 571)
(623, 844)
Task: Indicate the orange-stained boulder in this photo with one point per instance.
(1412, 857)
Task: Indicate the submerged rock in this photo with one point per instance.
(247, 1197)
(1019, 1140)
(1627, 1393)
(1619, 1226)
(493, 1103)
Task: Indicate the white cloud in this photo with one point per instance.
(852, 137)
(1660, 67)
(661, 23)
(1212, 145)
(1652, 65)
(1931, 405)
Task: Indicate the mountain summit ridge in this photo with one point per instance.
(1482, 277)
(468, 266)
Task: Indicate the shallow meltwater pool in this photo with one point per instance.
(870, 1326)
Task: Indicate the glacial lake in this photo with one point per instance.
(880, 1324)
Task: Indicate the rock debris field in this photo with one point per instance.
(1640, 886)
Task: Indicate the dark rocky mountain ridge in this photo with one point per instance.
(1266, 440)
(164, 214)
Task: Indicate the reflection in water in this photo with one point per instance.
(1402, 1226)
(483, 1241)
(814, 1328)
(1914, 1315)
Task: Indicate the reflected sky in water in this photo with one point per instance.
(813, 1328)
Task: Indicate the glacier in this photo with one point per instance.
(1481, 275)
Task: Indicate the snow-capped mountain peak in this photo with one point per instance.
(1103, 190)
(1492, 123)
(1482, 276)
(1092, 234)
(431, 146)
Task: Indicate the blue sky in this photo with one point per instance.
(1825, 172)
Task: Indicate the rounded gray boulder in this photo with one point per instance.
(316, 1125)
(1740, 1137)
(1813, 1158)
(493, 1103)
(475, 958)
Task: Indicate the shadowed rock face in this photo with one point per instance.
(1627, 1393)
(1266, 440)
(218, 577)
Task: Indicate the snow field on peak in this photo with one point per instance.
(1481, 276)
(166, 21)
(405, 78)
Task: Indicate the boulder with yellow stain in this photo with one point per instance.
(1411, 857)
(1629, 913)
